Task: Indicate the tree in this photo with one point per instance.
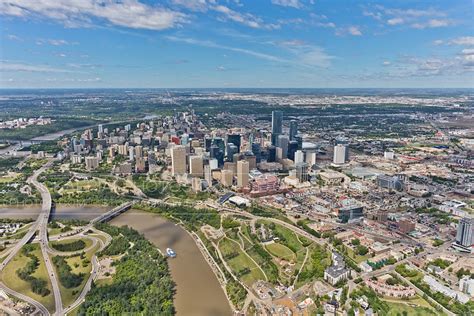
(362, 250)
(355, 242)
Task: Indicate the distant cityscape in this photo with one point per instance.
(290, 218)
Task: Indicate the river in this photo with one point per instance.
(82, 212)
(198, 292)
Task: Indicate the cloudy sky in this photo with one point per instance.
(236, 43)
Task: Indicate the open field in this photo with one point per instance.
(240, 261)
(81, 185)
(77, 265)
(401, 308)
(281, 251)
(11, 279)
(87, 242)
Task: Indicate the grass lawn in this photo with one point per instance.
(357, 258)
(417, 300)
(9, 178)
(87, 241)
(70, 295)
(100, 236)
(240, 262)
(290, 239)
(247, 244)
(318, 260)
(54, 231)
(281, 251)
(11, 279)
(81, 185)
(399, 308)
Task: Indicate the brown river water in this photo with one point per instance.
(198, 293)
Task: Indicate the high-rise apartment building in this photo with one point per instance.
(227, 177)
(196, 166)
(178, 160)
(138, 151)
(92, 163)
(242, 173)
(299, 157)
(465, 233)
(340, 154)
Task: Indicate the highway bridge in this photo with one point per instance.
(112, 213)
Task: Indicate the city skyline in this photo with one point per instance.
(199, 43)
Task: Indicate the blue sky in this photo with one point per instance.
(236, 43)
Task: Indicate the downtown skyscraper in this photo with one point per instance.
(277, 125)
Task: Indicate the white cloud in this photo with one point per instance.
(386, 63)
(58, 42)
(395, 21)
(414, 18)
(433, 23)
(74, 13)
(438, 42)
(303, 55)
(468, 51)
(288, 3)
(14, 38)
(314, 56)
(193, 5)
(54, 42)
(354, 30)
(433, 66)
(243, 18)
(7, 66)
(211, 44)
(294, 42)
(464, 40)
(351, 30)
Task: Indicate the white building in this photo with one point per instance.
(438, 287)
(340, 154)
(299, 157)
(466, 285)
(389, 155)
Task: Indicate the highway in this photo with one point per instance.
(39, 308)
(94, 271)
(42, 224)
(45, 211)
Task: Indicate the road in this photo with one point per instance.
(42, 224)
(94, 272)
(38, 306)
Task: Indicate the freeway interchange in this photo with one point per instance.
(40, 229)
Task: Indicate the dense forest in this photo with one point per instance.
(141, 285)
